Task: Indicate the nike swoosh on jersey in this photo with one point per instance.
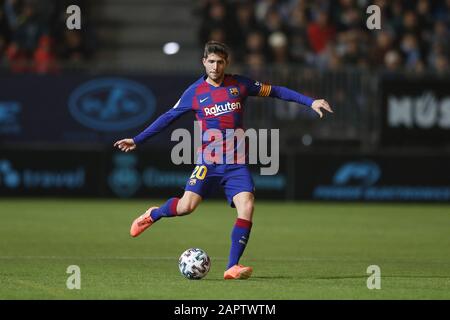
(223, 112)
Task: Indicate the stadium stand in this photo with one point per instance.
(33, 37)
(331, 34)
(327, 35)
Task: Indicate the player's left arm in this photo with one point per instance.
(256, 88)
(291, 95)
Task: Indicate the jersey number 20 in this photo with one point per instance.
(199, 172)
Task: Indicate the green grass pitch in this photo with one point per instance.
(298, 251)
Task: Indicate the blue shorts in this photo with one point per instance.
(234, 178)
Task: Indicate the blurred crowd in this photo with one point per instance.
(34, 36)
(331, 34)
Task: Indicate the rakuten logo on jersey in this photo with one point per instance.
(219, 109)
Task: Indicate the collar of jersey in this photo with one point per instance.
(209, 84)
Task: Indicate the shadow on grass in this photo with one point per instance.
(332, 278)
(253, 277)
(383, 276)
(337, 278)
(272, 277)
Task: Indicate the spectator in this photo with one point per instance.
(320, 32)
(440, 33)
(73, 50)
(246, 20)
(441, 64)
(44, 56)
(332, 34)
(392, 61)
(29, 30)
(334, 61)
(383, 44)
(438, 50)
(215, 19)
(278, 44)
(256, 63)
(410, 49)
(16, 58)
(255, 42)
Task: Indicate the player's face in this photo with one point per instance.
(215, 66)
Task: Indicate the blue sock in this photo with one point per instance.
(239, 239)
(168, 209)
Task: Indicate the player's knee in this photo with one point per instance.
(188, 203)
(245, 209)
(248, 207)
(186, 207)
(246, 212)
(190, 207)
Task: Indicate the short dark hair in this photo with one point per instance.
(217, 48)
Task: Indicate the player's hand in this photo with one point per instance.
(125, 145)
(321, 104)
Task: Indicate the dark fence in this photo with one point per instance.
(415, 112)
(351, 93)
(361, 177)
(84, 110)
(387, 140)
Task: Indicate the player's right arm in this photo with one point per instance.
(182, 106)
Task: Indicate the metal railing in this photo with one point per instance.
(352, 94)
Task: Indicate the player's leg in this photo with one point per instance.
(198, 186)
(239, 189)
(240, 235)
(244, 203)
(171, 208)
(177, 207)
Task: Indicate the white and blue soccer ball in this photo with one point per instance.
(194, 263)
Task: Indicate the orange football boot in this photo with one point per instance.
(141, 223)
(238, 271)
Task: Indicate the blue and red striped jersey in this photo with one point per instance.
(221, 107)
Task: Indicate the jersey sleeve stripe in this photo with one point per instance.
(265, 90)
(261, 91)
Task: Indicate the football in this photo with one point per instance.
(194, 263)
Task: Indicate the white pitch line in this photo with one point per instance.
(84, 258)
(153, 258)
(156, 258)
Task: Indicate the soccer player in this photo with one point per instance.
(217, 99)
